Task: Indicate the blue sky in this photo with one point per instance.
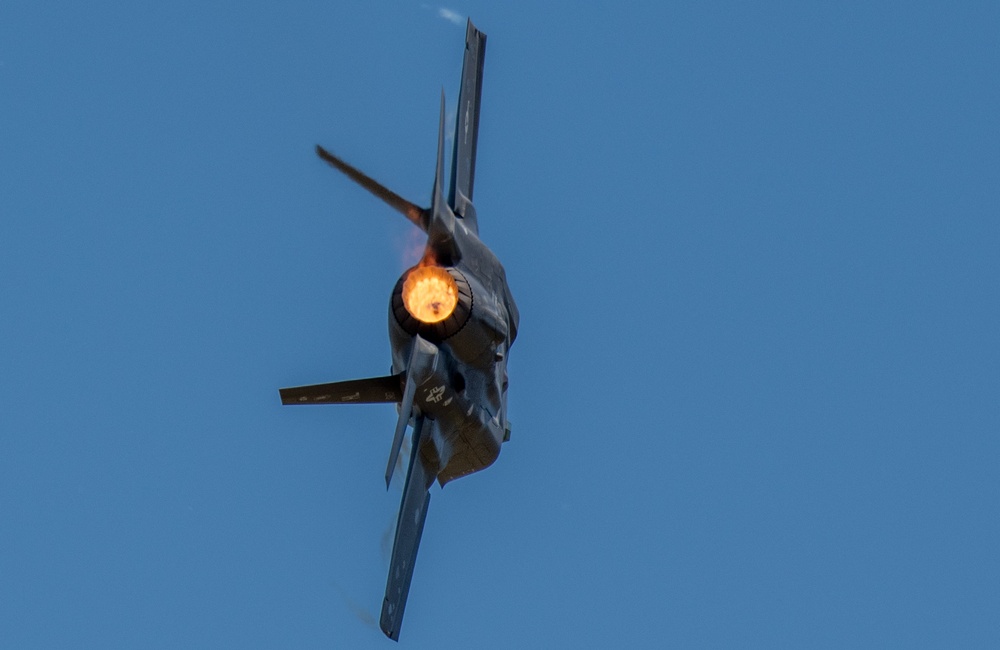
(755, 247)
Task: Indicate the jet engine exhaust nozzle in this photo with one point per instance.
(432, 301)
(430, 294)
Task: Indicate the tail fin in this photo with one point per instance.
(441, 228)
(423, 356)
(438, 221)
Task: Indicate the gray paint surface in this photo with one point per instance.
(449, 379)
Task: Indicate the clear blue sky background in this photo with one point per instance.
(756, 391)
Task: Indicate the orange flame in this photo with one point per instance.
(429, 292)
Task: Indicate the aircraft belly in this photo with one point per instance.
(466, 435)
(472, 449)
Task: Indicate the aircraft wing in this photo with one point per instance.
(409, 528)
(463, 162)
(377, 390)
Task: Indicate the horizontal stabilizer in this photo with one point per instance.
(377, 390)
(411, 211)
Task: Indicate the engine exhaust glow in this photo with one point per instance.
(430, 294)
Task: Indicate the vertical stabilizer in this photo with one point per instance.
(441, 228)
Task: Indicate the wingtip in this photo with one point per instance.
(388, 626)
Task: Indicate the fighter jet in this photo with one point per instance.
(452, 320)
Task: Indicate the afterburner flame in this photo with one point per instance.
(430, 294)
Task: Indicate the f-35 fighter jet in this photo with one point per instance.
(452, 320)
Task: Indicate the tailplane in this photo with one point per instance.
(377, 390)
